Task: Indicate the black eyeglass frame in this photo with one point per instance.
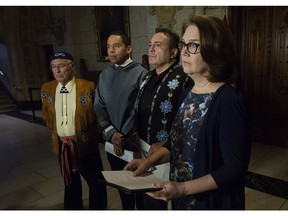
(181, 45)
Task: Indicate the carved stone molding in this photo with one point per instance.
(165, 15)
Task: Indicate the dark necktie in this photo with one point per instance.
(64, 90)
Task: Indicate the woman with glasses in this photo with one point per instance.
(209, 145)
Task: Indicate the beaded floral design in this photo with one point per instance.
(44, 95)
(174, 83)
(144, 82)
(165, 106)
(162, 135)
(52, 138)
(84, 138)
(83, 100)
(50, 101)
(90, 94)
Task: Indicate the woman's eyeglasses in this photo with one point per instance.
(191, 47)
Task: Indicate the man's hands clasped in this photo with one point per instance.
(117, 143)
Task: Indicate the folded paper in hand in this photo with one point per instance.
(127, 156)
(161, 171)
(124, 181)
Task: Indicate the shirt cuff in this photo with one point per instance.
(108, 132)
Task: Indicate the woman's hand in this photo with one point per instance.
(138, 166)
(170, 190)
(173, 190)
(154, 147)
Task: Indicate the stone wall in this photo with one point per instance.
(26, 31)
(144, 20)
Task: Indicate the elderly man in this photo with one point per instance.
(67, 109)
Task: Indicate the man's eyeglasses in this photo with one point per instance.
(60, 66)
(191, 47)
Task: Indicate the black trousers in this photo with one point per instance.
(128, 201)
(90, 168)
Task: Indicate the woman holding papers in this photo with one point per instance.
(210, 142)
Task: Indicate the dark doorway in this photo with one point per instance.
(262, 42)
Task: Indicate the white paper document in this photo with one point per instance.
(162, 170)
(124, 179)
(127, 156)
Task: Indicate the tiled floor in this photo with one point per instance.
(30, 177)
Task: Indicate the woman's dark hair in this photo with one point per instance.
(217, 47)
(173, 39)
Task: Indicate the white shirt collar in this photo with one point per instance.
(128, 61)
